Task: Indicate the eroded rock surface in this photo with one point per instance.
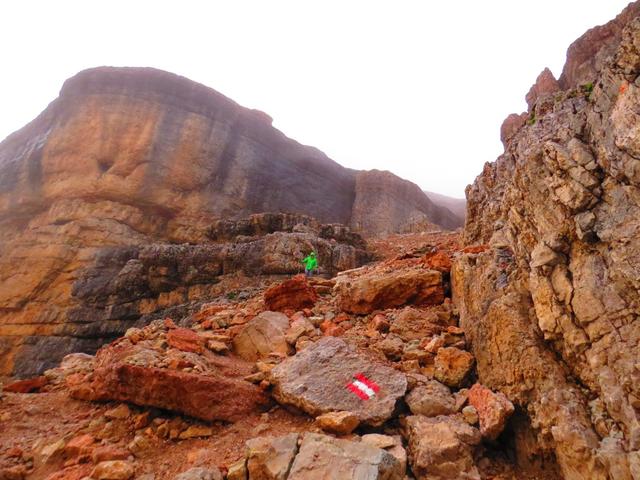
(126, 158)
(378, 290)
(550, 308)
(442, 448)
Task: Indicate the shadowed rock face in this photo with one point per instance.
(551, 307)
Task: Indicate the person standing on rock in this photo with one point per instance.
(310, 264)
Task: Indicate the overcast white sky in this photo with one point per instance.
(416, 87)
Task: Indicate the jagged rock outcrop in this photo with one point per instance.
(123, 181)
(551, 306)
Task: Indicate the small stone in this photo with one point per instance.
(238, 470)
(270, 458)
(470, 414)
(141, 420)
(140, 446)
(494, 409)
(392, 347)
(378, 440)
(195, 431)
(121, 412)
(341, 423)
(380, 323)
(109, 452)
(80, 445)
(410, 366)
(199, 473)
(452, 366)
(431, 399)
(113, 470)
(434, 344)
(50, 452)
(217, 347)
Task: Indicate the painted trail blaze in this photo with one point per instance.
(363, 387)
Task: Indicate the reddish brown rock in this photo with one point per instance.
(186, 340)
(113, 470)
(213, 389)
(511, 125)
(27, 386)
(80, 445)
(494, 409)
(75, 472)
(452, 366)
(381, 290)
(295, 294)
(546, 84)
(105, 453)
(593, 46)
(380, 323)
(438, 260)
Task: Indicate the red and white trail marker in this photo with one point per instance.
(363, 387)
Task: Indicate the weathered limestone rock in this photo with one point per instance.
(441, 448)
(262, 335)
(377, 290)
(431, 399)
(316, 378)
(292, 294)
(494, 409)
(452, 366)
(270, 458)
(323, 457)
(550, 310)
(414, 324)
(199, 473)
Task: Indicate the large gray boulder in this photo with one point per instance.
(316, 381)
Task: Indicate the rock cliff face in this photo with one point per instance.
(109, 200)
(551, 302)
(69, 289)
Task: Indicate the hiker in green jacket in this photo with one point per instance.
(310, 264)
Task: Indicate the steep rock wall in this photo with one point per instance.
(551, 306)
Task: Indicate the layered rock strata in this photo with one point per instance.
(71, 297)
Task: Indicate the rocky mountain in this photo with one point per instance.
(549, 298)
(99, 191)
(458, 206)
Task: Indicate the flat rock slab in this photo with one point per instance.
(379, 291)
(316, 381)
(322, 457)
